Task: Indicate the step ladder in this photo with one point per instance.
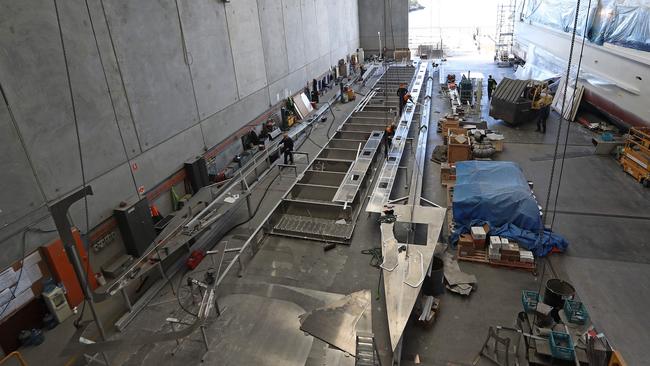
(366, 350)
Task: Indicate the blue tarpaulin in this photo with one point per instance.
(497, 193)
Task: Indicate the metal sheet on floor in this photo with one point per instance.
(337, 323)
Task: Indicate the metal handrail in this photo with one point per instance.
(416, 285)
(14, 354)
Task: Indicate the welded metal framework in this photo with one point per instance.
(325, 201)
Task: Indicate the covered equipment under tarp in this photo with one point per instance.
(497, 192)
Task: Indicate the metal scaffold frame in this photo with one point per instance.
(505, 31)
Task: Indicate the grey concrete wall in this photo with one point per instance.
(147, 83)
(389, 17)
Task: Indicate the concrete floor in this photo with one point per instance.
(601, 211)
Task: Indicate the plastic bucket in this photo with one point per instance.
(557, 291)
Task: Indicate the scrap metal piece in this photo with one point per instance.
(337, 323)
(457, 281)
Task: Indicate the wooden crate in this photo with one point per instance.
(453, 131)
(458, 152)
(449, 123)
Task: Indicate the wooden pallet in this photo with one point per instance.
(450, 194)
(448, 183)
(510, 264)
(479, 256)
(450, 212)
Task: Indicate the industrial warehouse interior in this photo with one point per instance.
(324, 182)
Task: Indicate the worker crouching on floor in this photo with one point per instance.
(388, 138)
(401, 93)
(287, 148)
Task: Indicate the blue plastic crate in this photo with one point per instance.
(561, 346)
(575, 312)
(529, 299)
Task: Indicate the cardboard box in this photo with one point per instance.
(478, 232)
(526, 256)
(495, 241)
(510, 257)
(510, 250)
(465, 239)
(495, 256)
(466, 245)
(479, 236)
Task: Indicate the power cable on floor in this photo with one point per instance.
(375, 261)
(178, 289)
(259, 204)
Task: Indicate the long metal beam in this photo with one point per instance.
(384, 184)
(421, 146)
(405, 264)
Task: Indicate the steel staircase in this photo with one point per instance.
(367, 350)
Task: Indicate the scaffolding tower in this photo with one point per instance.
(505, 32)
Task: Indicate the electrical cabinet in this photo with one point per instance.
(136, 226)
